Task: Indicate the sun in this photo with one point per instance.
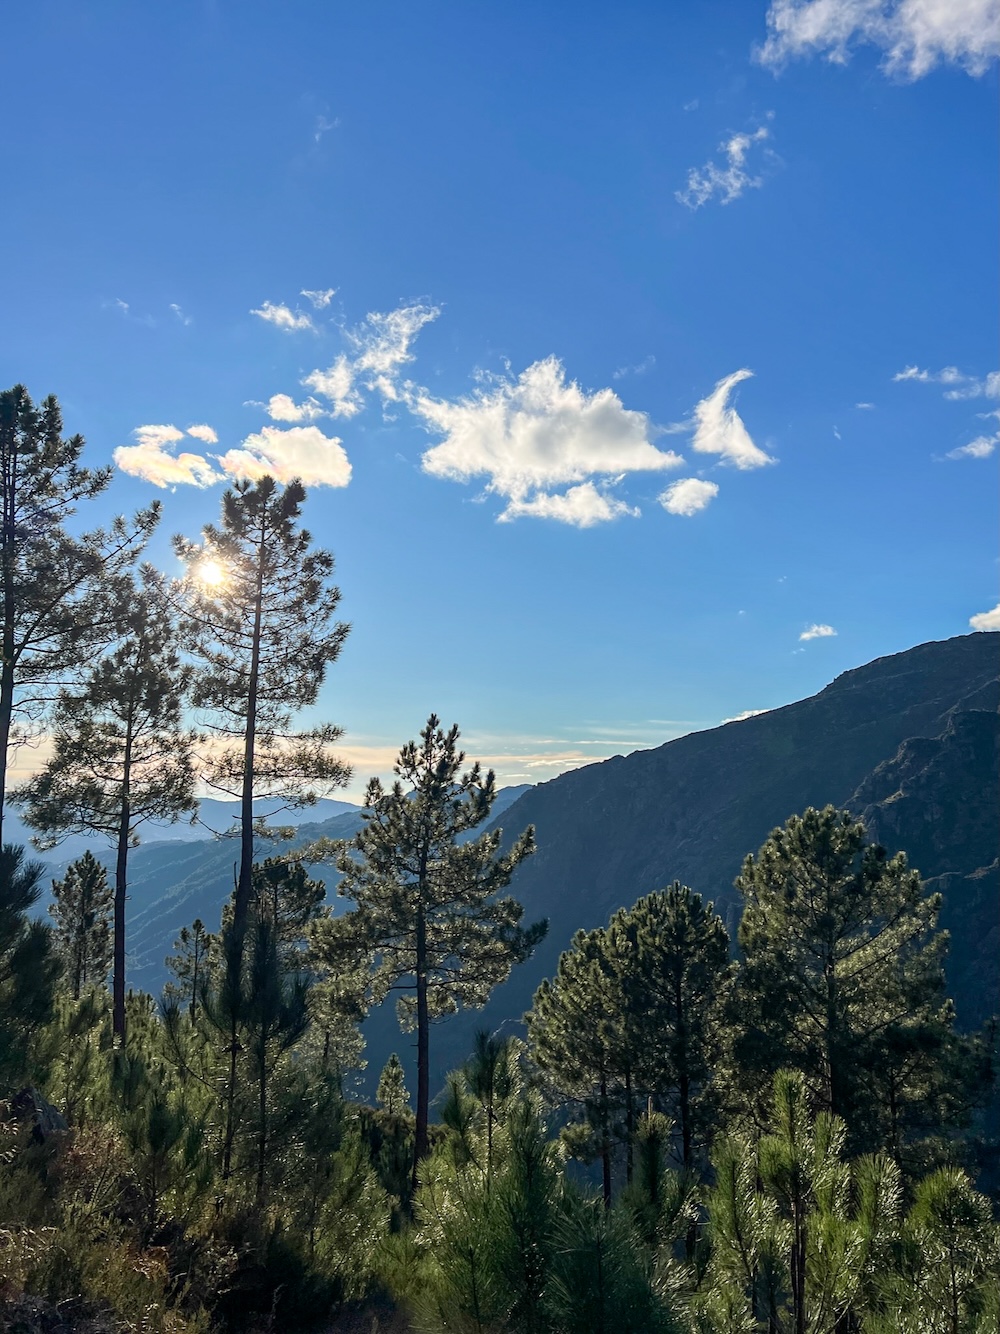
(210, 573)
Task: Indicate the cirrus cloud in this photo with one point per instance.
(728, 181)
(719, 429)
(283, 317)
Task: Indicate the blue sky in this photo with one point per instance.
(638, 358)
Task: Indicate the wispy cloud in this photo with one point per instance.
(980, 448)
(719, 429)
(203, 433)
(300, 451)
(319, 299)
(865, 407)
(283, 408)
(818, 632)
(913, 35)
(986, 620)
(379, 349)
(688, 496)
(283, 317)
(124, 309)
(640, 368)
(323, 125)
(537, 432)
(958, 384)
(179, 314)
(151, 458)
(727, 180)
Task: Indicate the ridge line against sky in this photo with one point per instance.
(698, 404)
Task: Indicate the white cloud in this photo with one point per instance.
(537, 432)
(582, 506)
(818, 632)
(688, 496)
(865, 407)
(337, 385)
(301, 451)
(959, 384)
(729, 181)
(176, 310)
(203, 433)
(986, 620)
(913, 35)
(719, 429)
(319, 299)
(284, 318)
(380, 347)
(282, 408)
(741, 717)
(980, 448)
(150, 458)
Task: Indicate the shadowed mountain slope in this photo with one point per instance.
(904, 740)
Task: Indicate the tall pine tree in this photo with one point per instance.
(260, 625)
(52, 611)
(120, 754)
(842, 979)
(428, 909)
(82, 905)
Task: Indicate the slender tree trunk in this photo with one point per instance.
(8, 539)
(605, 1145)
(798, 1267)
(121, 885)
(230, 1135)
(194, 981)
(241, 904)
(423, 1047)
(629, 1127)
(684, 1112)
(262, 1113)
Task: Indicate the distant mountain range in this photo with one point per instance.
(212, 818)
(908, 742)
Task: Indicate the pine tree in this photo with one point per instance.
(29, 967)
(51, 608)
(189, 964)
(260, 625)
(391, 1094)
(675, 968)
(81, 910)
(427, 909)
(120, 755)
(577, 1038)
(841, 974)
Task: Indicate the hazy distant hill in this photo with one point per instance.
(213, 817)
(170, 884)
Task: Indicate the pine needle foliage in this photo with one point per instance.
(262, 636)
(429, 912)
(53, 604)
(82, 904)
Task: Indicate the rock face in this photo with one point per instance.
(905, 741)
(939, 798)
